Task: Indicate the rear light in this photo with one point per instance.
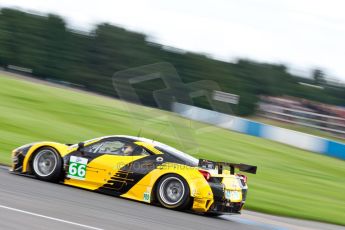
(243, 177)
(206, 174)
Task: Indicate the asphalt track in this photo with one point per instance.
(27, 203)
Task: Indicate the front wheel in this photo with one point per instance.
(47, 164)
(173, 192)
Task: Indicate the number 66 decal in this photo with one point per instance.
(77, 168)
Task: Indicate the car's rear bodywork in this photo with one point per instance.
(213, 189)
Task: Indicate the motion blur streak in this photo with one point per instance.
(47, 71)
(44, 47)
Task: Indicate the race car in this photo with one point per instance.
(140, 169)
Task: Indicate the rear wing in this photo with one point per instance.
(207, 164)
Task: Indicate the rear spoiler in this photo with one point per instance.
(207, 164)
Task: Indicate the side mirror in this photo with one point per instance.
(80, 146)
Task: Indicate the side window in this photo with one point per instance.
(117, 147)
(112, 147)
(92, 148)
(139, 151)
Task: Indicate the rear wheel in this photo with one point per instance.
(173, 192)
(47, 164)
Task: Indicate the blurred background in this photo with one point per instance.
(275, 65)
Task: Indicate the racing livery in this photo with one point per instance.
(140, 169)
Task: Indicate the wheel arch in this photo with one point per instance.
(196, 182)
(154, 188)
(34, 149)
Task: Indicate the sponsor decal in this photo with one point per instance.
(77, 168)
(147, 196)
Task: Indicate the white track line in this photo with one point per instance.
(50, 218)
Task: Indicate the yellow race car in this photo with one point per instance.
(140, 169)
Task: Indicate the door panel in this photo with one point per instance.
(99, 170)
(103, 168)
(122, 175)
(109, 167)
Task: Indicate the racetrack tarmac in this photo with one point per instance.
(27, 203)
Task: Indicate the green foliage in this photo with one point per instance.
(319, 77)
(289, 182)
(45, 45)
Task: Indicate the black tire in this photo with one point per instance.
(47, 164)
(173, 192)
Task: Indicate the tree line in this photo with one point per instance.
(44, 44)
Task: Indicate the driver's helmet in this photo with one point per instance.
(127, 149)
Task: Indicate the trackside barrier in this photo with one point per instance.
(281, 135)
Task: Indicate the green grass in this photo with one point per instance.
(289, 182)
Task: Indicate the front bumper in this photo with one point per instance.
(18, 156)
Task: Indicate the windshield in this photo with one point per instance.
(184, 157)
